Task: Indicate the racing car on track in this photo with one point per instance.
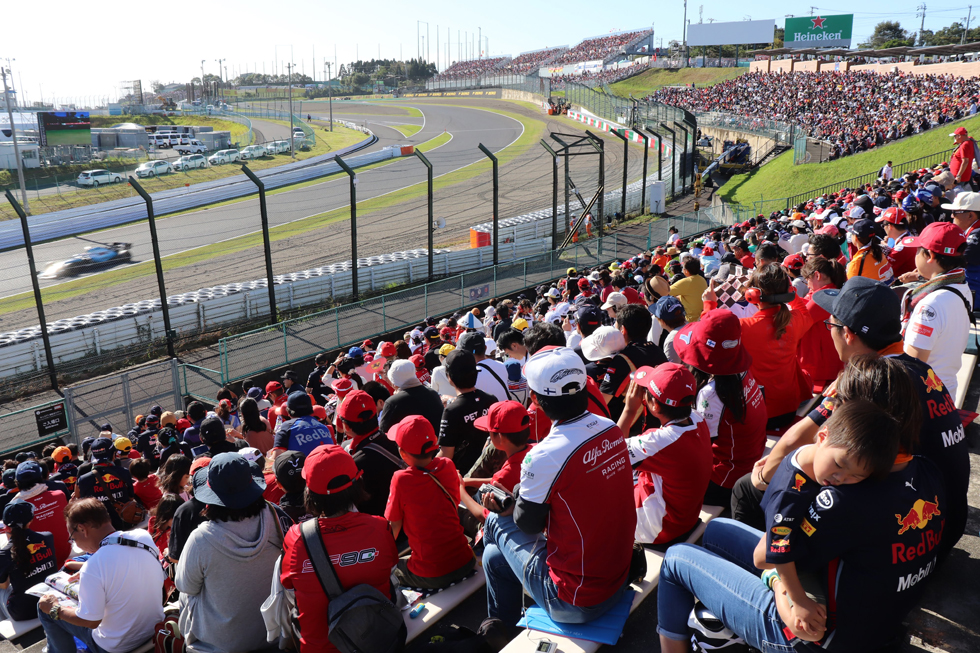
(94, 259)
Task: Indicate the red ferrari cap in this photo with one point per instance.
(414, 435)
(358, 406)
(504, 417)
(329, 469)
(893, 215)
(342, 386)
(672, 384)
(273, 386)
(387, 350)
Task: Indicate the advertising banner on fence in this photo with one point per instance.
(819, 31)
(587, 66)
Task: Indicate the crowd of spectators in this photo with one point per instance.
(853, 111)
(599, 48)
(473, 439)
(599, 77)
(473, 68)
(530, 61)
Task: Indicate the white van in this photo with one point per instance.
(192, 146)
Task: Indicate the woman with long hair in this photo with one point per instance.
(772, 337)
(818, 356)
(255, 429)
(26, 560)
(175, 475)
(869, 259)
(729, 399)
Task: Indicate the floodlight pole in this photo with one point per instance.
(496, 197)
(428, 167)
(353, 223)
(158, 263)
(554, 194)
(13, 137)
(273, 310)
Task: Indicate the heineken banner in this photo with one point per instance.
(819, 32)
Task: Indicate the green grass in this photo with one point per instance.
(407, 130)
(650, 80)
(533, 130)
(780, 178)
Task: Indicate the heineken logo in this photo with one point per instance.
(818, 22)
(825, 36)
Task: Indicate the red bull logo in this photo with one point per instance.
(34, 548)
(798, 482)
(919, 515)
(932, 382)
(109, 478)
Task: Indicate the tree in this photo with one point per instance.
(156, 86)
(888, 34)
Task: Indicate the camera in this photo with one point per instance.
(504, 499)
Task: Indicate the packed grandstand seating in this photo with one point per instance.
(590, 78)
(461, 69)
(854, 111)
(682, 383)
(598, 48)
(530, 61)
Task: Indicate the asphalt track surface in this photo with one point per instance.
(525, 184)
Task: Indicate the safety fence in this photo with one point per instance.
(783, 133)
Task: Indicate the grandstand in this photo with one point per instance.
(471, 68)
(528, 62)
(601, 48)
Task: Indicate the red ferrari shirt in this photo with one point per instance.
(429, 518)
(961, 163)
(148, 491)
(735, 446)
(902, 255)
(361, 551)
(49, 516)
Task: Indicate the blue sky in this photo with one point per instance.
(166, 41)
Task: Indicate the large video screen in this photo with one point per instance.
(64, 128)
(737, 32)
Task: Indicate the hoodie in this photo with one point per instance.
(223, 577)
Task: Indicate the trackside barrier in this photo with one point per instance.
(71, 222)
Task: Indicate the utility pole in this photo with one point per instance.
(812, 9)
(220, 79)
(922, 26)
(687, 61)
(13, 137)
(969, 14)
(289, 90)
(203, 87)
(326, 64)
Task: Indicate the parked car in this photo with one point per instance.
(190, 162)
(94, 258)
(277, 147)
(253, 152)
(154, 168)
(224, 156)
(193, 146)
(298, 134)
(96, 178)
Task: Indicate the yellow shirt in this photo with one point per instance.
(689, 291)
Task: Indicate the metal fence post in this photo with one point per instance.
(158, 263)
(496, 188)
(273, 311)
(353, 224)
(285, 344)
(626, 158)
(646, 154)
(554, 193)
(428, 230)
(685, 158)
(38, 301)
(673, 159)
(599, 145)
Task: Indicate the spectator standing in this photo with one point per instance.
(314, 383)
(107, 482)
(375, 455)
(332, 491)
(26, 559)
(459, 438)
(120, 588)
(673, 461)
(729, 399)
(239, 542)
(423, 501)
(690, 288)
(901, 255)
(412, 398)
(961, 163)
(196, 412)
(936, 324)
(582, 570)
(146, 442)
(440, 382)
(255, 429)
(302, 432)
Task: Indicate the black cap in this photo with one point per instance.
(431, 321)
(291, 375)
(460, 361)
(431, 333)
(289, 470)
(10, 478)
(472, 342)
(865, 307)
(863, 228)
(299, 404)
(212, 430)
(103, 449)
(167, 436)
(18, 513)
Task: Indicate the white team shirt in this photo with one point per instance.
(941, 324)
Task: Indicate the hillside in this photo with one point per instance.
(780, 178)
(655, 78)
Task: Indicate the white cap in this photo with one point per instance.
(491, 346)
(402, 374)
(616, 299)
(554, 293)
(469, 321)
(606, 341)
(855, 212)
(555, 372)
(251, 454)
(594, 275)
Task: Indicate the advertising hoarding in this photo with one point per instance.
(733, 33)
(819, 31)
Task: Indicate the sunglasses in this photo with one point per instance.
(832, 325)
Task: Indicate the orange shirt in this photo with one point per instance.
(864, 265)
(775, 363)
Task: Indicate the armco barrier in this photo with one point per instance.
(70, 222)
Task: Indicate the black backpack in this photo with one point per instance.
(361, 619)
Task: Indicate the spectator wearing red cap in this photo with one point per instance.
(936, 316)
(961, 163)
(374, 454)
(509, 427)
(729, 399)
(333, 487)
(901, 255)
(673, 461)
(423, 501)
(818, 356)
(793, 264)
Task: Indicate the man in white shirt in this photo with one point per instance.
(886, 171)
(936, 316)
(491, 374)
(120, 591)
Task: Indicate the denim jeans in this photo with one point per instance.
(61, 635)
(514, 561)
(723, 576)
